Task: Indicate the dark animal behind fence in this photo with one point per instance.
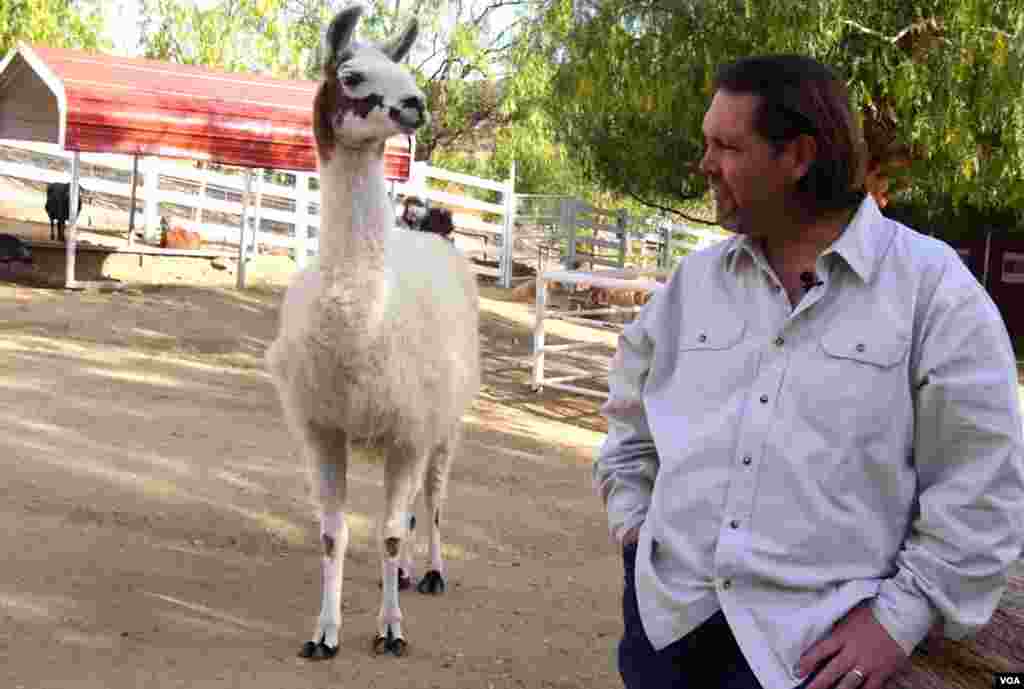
(14, 250)
(439, 221)
(58, 207)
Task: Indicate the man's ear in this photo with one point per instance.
(802, 151)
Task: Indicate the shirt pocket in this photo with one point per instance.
(712, 335)
(855, 395)
(710, 365)
(878, 350)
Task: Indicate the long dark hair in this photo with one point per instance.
(799, 95)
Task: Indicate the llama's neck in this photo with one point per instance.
(355, 215)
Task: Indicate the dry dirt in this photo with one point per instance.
(159, 532)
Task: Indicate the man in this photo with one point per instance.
(814, 451)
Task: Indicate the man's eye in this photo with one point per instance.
(352, 80)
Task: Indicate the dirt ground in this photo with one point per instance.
(158, 529)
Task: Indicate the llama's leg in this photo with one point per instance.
(407, 552)
(404, 471)
(435, 489)
(329, 450)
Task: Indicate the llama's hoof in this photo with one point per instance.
(396, 646)
(314, 650)
(404, 581)
(432, 583)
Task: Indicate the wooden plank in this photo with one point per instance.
(468, 180)
(457, 201)
(576, 390)
(575, 347)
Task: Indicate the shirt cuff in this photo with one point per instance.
(905, 613)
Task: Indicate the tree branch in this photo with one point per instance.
(666, 209)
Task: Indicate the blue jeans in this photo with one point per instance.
(706, 658)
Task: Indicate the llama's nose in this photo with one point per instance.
(411, 113)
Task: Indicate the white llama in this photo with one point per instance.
(378, 348)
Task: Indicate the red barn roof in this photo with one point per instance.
(107, 104)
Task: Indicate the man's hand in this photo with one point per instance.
(859, 642)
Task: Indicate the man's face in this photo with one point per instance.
(751, 181)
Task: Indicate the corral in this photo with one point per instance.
(155, 494)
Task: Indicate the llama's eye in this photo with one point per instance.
(352, 80)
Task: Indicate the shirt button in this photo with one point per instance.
(727, 584)
(764, 399)
(747, 460)
(861, 348)
(735, 524)
(779, 341)
(702, 338)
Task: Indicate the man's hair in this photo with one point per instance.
(413, 201)
(799, 95)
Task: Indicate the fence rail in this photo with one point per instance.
(210, 201)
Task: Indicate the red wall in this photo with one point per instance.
(1005, 275)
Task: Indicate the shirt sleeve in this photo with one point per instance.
(969, 526)
(626, 463)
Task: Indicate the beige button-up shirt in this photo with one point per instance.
(787, 463)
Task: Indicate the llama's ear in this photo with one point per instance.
(339, 34)
(397, 48)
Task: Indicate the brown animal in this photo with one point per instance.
(618, 296)
(179, 238)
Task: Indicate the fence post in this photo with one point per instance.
(301, 243)
(131, 206)
(204, 182)
(508, 230)
(665, 259)
(257, 221)
(71, 231)
(242, 257)
(151, 190)
(622, 222)
(568, 222)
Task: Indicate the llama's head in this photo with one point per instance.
(366, 96)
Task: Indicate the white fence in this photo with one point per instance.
(212, 201)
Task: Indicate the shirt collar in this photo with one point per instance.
(861, 245)
(864, 241)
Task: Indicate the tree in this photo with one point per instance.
(55, 23)
(937, 83)
(474, 59)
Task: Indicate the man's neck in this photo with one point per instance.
(793, 254)
(796, 251)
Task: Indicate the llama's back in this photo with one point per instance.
(433, 308)
(407, 368)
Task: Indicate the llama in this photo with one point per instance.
(378, 347)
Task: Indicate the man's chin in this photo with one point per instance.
(729, 221)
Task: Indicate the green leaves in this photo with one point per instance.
(57, 23)
(936, 78)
